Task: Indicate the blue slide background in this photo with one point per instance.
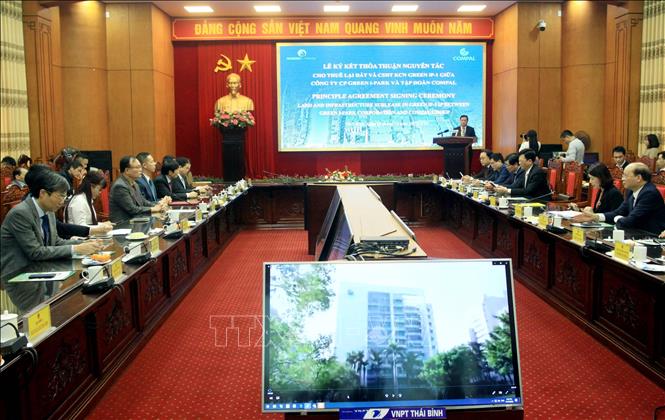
(377, 96)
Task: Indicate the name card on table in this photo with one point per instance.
(519, 211)
(579, 236)
(39, 322)
(116, 269)
(493, 201)
(475, 195)
(153, 244)
(184, 225)
(622, 251)
(543, 221)
(199, 215)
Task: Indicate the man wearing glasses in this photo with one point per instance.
(29, 231)
(125, 200)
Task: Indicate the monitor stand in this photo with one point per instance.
(489, 414)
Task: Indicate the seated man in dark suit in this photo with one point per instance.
(464, 130)
(643, 207)
(486, 171)
(619, 156)
(531, 182)
(166, 183)
(74, 170)
(179, 184)
(512, 164)
(125, 200)
(500, 174)
(145, 182)
(29, 230)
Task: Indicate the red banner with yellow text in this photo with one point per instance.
(276, 29)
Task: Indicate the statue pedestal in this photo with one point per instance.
(233, 153)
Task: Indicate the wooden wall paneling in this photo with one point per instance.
(113, 324)
(627, 308)
(84, 79)
(257, 208)
(583, 68)
(507, 240)
(196, 247)
(536, 258)
(120, 115)
(486, 238)
(151, 292)
(176, 265)
(573, 278)
(628, 38)
(38, 45)
(288, 206)
(212, 235)
(504, 81)
(64, 370)
(468, 221)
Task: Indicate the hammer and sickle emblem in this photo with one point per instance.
(223, 64)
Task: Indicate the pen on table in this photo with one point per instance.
(461, 174)
(388, 233)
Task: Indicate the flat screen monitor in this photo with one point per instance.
(591, 158)
(547, 151)
(372, 335)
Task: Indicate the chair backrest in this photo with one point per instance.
(651, 163)
(659, 182)
(594, 194)
(573, 173)
(554, 170)
(615, 171)
(10, 198)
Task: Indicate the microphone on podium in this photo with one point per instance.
(440, 133)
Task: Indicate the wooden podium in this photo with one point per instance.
(456, 154)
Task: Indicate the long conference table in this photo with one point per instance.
(96, 336)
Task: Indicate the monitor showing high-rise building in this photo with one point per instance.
(390, 333)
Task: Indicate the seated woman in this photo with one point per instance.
(80, 210)
(608, 198)
(651, 145)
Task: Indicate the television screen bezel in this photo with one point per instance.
(512, 311)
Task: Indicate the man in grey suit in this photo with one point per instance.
(125, 200)
(29, 231)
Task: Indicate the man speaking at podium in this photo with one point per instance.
(464, 130)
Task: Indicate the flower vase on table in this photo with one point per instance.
(233, 125)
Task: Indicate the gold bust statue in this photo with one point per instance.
(234, 101)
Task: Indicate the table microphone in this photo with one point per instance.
(538, 198)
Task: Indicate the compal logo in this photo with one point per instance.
(376, 413)
(464, 56)
(302, 53)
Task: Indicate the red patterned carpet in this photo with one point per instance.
(566, 373)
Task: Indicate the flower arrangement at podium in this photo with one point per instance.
(340, 176)
(231, 120)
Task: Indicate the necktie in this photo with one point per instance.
(46, 230)
(463, 131)
(152, 190)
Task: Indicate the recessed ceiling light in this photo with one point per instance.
(472, 8)
(405, 7)
(199, 9)
(267, 8)
(336, 8)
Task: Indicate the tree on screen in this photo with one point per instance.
(499, 348)
(395, 354)
(451, 369)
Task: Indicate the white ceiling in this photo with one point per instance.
(315, 8)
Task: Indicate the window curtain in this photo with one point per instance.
(14, 130)
(652, 80)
